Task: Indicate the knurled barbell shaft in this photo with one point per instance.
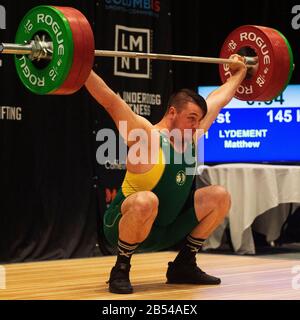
(169, 57)
(11, 48)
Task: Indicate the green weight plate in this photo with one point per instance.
(38, 77)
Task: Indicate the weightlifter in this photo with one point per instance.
(157, 205)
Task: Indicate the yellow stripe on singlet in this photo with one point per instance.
(135, 182)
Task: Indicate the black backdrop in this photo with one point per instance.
(52, 192)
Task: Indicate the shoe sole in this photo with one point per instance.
(118, 291)
(190, 282)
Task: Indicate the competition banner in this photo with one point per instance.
(248, 131)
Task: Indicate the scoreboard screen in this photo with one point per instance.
(267, 132)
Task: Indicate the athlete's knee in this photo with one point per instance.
(217, 197)
(145, 206)
(220, 194)
(222, 198)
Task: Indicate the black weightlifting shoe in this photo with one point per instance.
(189, 273)
(119, 279)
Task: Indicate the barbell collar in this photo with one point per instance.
(36, 49)
(12, 48)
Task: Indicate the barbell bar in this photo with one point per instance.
(54, 54)
(29, 49)
(14, 48)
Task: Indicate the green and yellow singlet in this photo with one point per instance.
(170, 180)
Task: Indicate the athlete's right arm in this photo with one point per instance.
(117, 108)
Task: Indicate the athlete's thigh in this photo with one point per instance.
(164, 237)
(114, 213)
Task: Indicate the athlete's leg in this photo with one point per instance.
(138, 214)
(211, 205)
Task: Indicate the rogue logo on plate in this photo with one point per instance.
(67, 69)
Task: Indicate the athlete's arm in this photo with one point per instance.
(219, 98)
(117, 108)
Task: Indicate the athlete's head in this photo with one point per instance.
(185, 110)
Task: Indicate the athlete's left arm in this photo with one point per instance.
(219, 98)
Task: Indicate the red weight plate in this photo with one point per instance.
(69, 84)
(282, 65)
(83, 51)
(87, 58)
(264, 84)
(89, 50)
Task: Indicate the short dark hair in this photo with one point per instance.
(183, 96)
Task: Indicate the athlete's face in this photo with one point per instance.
(188, 118)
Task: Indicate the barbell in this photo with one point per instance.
(54, 54)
